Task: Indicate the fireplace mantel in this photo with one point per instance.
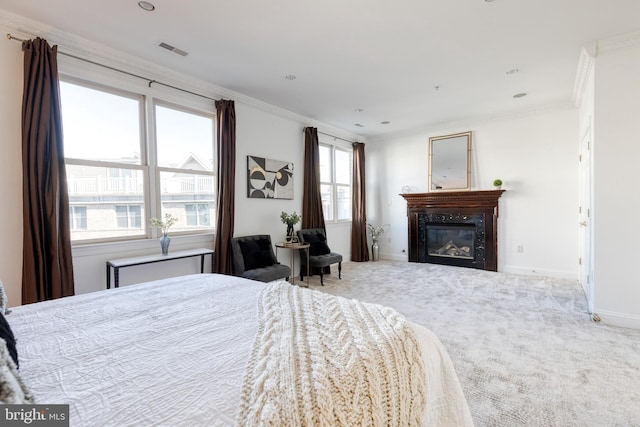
(453, 199)
(455, 207)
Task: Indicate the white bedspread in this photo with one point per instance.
(170, 352)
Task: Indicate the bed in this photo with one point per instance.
(195, 350)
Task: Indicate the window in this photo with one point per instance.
(78, 217)
(128, 216)
(185, 162)
(103, 146)
(198, 214)
(121, 174)
(335, 182)
(121, 180)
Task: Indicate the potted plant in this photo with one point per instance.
(290, 220)
(497, 183)
(164, 227)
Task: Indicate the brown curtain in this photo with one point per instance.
(359, 248)
(47, 269)
(312, 216)
(225, 196)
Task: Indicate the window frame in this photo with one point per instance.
(78, 212)
(148, 98)
(197, 214)
(333, 184)
(158, 170)
(130, 215)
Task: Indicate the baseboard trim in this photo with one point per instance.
(504, 269)
(390, 257)
(559, 274)
(623, 320)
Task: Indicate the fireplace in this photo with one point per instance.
(451, 239)
(454, 228)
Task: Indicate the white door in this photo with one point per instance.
(585, 216)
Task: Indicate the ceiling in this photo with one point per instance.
(413, 63)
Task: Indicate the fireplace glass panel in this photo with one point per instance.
(451, 241)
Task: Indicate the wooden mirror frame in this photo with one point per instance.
(450, 153)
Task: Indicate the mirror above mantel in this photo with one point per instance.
(450, 162)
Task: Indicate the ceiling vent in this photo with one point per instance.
(173, 49)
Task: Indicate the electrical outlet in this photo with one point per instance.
(520, 249)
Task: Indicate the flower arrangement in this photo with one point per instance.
(165, 225)
(290, 219)
(376, 232)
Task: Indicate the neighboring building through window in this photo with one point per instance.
(185, 163)
(78, 217)
(128, 216)
(198, 215)
(335, 182)
(119, 174)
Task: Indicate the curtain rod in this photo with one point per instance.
(151, 81)
(335, 137)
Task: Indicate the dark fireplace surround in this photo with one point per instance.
(458, 228)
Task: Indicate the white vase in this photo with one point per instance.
(165, 240)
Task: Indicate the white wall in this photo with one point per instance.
(262, 130)
(11, 170)
(536, 157)
(266, 135)
(616, 196)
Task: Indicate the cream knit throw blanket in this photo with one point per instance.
(322, 360)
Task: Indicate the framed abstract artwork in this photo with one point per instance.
(269, 179)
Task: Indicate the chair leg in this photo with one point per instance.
(340, 270)
(321, 276)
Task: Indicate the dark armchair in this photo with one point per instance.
(320, 255)
(253, 258)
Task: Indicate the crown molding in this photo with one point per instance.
(590, 51)
(586, 61)
(588, 54)
(473, 122)
(25, 28)
(620, 42)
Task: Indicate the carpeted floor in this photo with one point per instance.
(525, 350)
